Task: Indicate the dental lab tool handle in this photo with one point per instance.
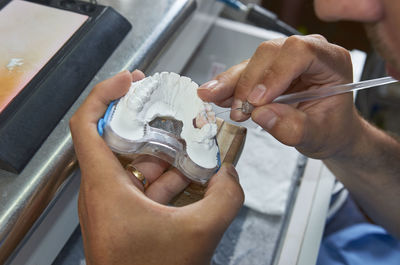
(313, 94)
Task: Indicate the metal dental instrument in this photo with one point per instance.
(246, 108)
(313, 94)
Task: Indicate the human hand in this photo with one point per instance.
(321, 128)
(121, 222)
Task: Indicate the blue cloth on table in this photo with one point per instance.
(363, 243)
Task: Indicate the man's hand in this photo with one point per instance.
(361, 156)
(124, 224)
(319, 128)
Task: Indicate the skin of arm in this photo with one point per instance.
(370, 170)
(365, 159)
(121, 222)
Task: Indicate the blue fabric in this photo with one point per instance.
(363, 244)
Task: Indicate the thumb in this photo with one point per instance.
(223, 199)
(284, 122)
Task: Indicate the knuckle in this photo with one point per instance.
(242, 196)
(232, 73)
(266, 46)
(97, 88)
(262, 47)
(298, 131)
(235, 195)
(318, 36)
(342, 56)
(245, 81)
(73, 122)
(347, 62)
(346, 55)
(306, 46)
(197, 227)
(232, 192)
(294, 40)
(168, 191)
(270, 73)
(76, 122)
(225, 77)
(298, 44)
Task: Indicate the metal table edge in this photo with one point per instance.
(55, 161)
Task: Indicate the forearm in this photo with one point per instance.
(371, 172)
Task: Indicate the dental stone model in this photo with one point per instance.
(162, 115)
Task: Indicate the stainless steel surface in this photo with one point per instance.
(24, 196)
(52, 229)
(176, 55)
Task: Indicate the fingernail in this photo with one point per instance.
(122, 73)
(257, 94)
(236, 113)
(209, 85)
(266, 118)
(237, 103)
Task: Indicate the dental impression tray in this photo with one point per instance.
(162, 115)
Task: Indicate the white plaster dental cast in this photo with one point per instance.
(168, 95)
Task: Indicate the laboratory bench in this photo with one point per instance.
(38, 207)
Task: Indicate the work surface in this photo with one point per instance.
(24, 196)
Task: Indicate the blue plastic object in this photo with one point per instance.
(102, 122)
(156, 142)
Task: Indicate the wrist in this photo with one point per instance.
(366, 147)
(357, 141)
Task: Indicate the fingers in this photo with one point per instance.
(286, 123)
(222, 88)
(310, 127)
(137, 75)
(98, 164)
(253, 75)
(223, 199)
(163, 185)
(275, 67)
(233, 86)
(150, 166)
(312, 58)
(225, 103)
(167, 186)
(289, 65)
(93, 108)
